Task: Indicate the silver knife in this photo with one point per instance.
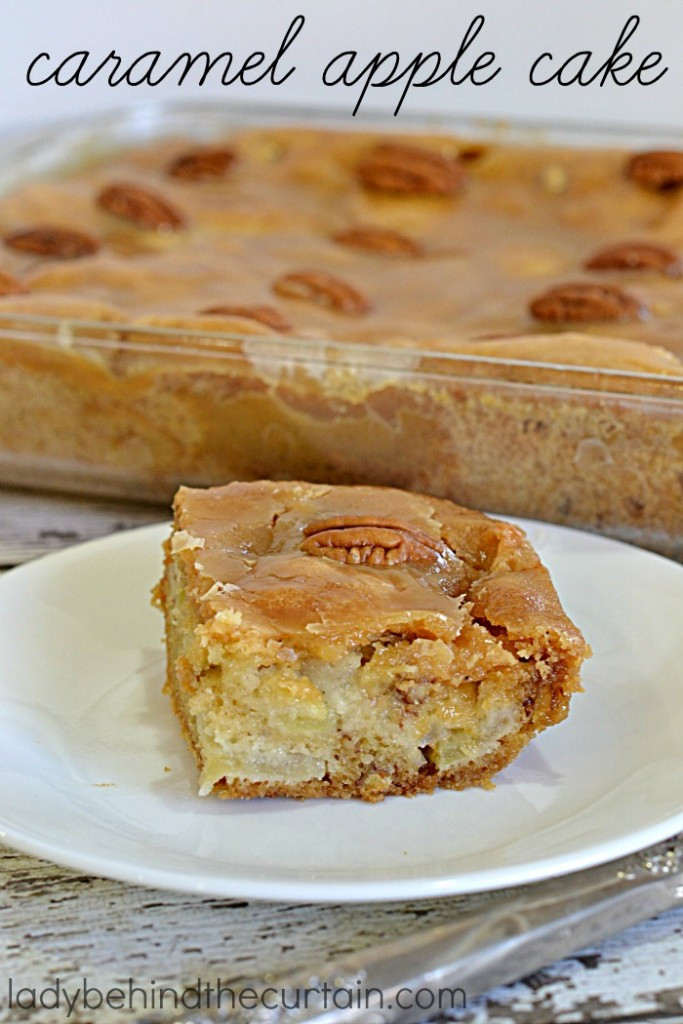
(446, 963)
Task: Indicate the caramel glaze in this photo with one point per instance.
(525, 219)
(252, 569)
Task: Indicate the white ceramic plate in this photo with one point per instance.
(94, 773)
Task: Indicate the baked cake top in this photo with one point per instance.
(425, 239)
(326, 568)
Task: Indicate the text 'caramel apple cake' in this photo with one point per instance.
(357, 641)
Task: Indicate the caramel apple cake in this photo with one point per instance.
(352, 307)
(357, 641)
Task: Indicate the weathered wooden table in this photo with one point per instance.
(58, 925)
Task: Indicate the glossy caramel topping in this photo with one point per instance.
(245, 546)
(526, 220)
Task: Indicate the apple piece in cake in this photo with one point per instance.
(350, 641)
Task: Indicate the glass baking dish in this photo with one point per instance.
(124, 409)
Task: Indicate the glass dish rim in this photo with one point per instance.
(422, 363)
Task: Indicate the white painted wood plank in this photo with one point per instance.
(32, 525)
(56, 923)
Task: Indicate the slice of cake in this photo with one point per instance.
(357, 641)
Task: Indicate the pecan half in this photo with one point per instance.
(582, 302)
(140, 206)
(324, 289)
(381, 240)
(637, 256)
(10, 286)
(268, 315)
(659, 169)
(56, 243)
(370, 540)
(394, 167)
(202, 163)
